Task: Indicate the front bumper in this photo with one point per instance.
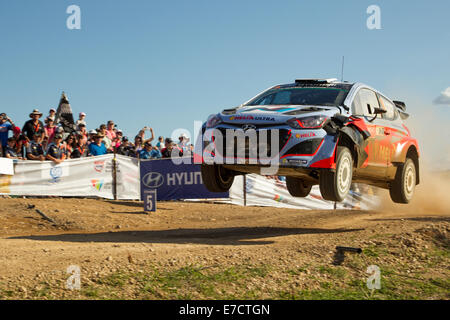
(271, 145)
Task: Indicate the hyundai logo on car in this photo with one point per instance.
(248, 127)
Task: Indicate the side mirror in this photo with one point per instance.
(376, 112)
(379, 111)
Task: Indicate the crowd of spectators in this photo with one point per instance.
(50, 141)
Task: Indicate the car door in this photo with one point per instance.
(364, 105)
(393, 130)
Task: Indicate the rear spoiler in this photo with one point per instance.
(401, 106)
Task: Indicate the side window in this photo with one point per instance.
(389, 107)
(365, 102)
(357, 108)
(369, 101)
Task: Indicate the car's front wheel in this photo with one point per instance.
(335, 185)
(297, 187)
(402, 188)
(216, 178)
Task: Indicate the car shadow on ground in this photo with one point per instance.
(418, 219)
(214, 236)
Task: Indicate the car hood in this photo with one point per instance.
(272, 114)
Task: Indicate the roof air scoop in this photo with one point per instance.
(315, 81)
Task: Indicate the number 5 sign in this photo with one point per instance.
(149, 200)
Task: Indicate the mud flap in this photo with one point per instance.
(360, 143)
(355, 129)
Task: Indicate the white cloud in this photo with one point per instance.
(444, 98)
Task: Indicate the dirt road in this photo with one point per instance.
(216, 251)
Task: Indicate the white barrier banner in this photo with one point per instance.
(6, 166)
(90, 177)
(270, 192)
(128, 179)
(93, 177)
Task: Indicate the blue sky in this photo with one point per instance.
(168, 63)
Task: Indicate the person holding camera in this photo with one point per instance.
(126, 148)
(4, 130)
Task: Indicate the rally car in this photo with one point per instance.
(327, 132)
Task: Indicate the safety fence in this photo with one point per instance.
(118, 177)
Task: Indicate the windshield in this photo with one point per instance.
(301, 96)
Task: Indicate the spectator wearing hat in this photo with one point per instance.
(56, 150)
(91, 135)
(4, 130)
(10, 151)
(183, 143)
(149, 152)
(79, 148)
(52, 114)
(106, 140)
(50, 129)
(126, 148)
(98, 148)
(110, 131)
(81, 120)
(35, 150)
(34, 125)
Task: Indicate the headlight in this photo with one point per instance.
(314, 122)
(213, 121)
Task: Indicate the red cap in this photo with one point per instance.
(17, 130)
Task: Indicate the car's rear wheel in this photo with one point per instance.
(335, 185)
(297, 187)
(402, 188)
(216, 178)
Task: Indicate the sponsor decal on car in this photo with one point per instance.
(236, 118)
(305, 135)
(297, 162)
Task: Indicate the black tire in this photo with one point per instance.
(335, 185)
(297, 187)
(216, 178)
(402, 188)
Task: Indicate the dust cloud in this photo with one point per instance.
(429, 125)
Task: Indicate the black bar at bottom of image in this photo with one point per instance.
(229, 309)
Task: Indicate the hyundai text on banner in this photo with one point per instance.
(173, 182)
